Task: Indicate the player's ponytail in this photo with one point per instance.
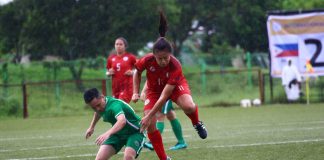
(163, 25)
(162, 44)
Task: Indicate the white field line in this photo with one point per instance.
(50, 147)
(270, 131)
(167, 130)
(217, 146)
(282, 124)
(261, 125)
(267, 143)
(56, 157)
(167, 139)
(35, 137)
(164, 138)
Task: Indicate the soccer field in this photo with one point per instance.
(272, 132)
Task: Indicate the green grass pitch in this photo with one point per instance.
(271, 132)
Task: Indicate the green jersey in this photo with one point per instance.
(114, 107)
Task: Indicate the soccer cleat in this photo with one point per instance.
(168, 158)
(179, 146)
(149, 146)
(202, 131)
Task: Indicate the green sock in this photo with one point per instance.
(177, 130)
(160, 126)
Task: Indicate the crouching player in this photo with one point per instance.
(125, 130)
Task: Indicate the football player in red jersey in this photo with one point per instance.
(165, 80)
(168, 112)
(120, 67)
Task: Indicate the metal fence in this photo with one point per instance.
(210, 88)
(276, 93)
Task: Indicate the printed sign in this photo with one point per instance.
(299, 38)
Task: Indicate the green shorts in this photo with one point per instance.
(135, 141)
(167, 107)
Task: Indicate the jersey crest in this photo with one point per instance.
(147, 101)
(125, 58)
(152, 69)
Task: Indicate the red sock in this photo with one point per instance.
(194, 116)
(156, 140)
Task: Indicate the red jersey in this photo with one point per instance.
(121, 84)
(158, 77)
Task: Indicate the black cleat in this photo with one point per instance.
(202, 131)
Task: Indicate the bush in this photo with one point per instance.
(9, 107)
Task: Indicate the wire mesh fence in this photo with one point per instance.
(276, 94)
(11, 100)
(220, 88)
(226, 88)
(209, 88)
(58, 98)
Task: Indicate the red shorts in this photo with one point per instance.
(152, 97)
(125, 96)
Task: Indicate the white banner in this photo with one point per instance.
(299, 38)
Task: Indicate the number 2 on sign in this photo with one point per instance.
(318, 50)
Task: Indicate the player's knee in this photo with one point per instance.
(151, 128)
(189, 107)
(160, 116)
(101, 158)
(171, 115)
(129, 156)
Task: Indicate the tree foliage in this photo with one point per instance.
(74, 28)
(302, 4)
(87, 28)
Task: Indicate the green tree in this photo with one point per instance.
(302, 4)
(87, 28)
(77, 28)
(182, 14)
(42, 30)
(243, 23)
(11, 21)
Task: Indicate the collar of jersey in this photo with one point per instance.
(106, 100)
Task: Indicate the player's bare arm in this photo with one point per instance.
(121, 122)
(136, 85)
(143, 93)
(110, 72)
(129, 72)
(93, 123)
(145, 122)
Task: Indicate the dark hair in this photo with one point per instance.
(90, 94)
(162, 44)
(124, 40)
